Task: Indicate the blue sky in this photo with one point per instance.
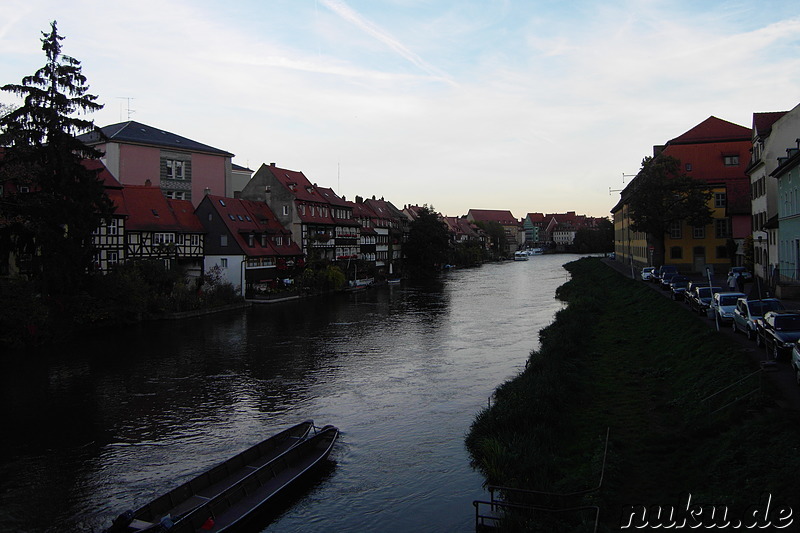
(521, 105)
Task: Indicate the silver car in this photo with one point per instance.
(748, 313)
(723, 305)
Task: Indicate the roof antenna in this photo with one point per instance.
(121, 109)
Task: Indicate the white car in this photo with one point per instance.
(647, 273)
(723, 304)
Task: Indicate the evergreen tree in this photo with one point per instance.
(65, 202)
(427, 245)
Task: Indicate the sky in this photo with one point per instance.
(520, 105)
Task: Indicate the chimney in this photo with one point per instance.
(272, 164)
(148, 183)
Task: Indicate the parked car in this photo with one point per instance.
(666, 279)
(700, 297)
(658, 274)
(746, 274)
(647, 273)
(749, 313)
(796, 362)
(723, 304)
(678, 287)
(779, 332)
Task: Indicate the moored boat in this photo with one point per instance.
(520, 256)
(235, 505)
(209, 484)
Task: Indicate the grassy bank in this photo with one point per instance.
(623, 358)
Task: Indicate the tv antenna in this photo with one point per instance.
(610, 190)
(127, 108)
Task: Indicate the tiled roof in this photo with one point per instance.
(149, 210)
(762, 122)
(245, 217)
(137, 133)
(713, 129)
(184, 213)
(493, 215)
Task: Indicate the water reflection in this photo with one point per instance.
(401, 370)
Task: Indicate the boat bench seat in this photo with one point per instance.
(140, 524)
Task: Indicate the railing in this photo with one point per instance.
(525, 504)
(728, 396)
(484, 522)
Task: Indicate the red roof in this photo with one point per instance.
(246, 217)
(505, 218)
(762, 122)
(149, 210)
(713, 129)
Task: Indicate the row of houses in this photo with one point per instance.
(754, 176)
(186, 204)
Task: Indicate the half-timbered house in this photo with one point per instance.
(162, 229)
(299, 206)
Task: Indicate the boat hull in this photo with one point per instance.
(203, 488)
(239, 503)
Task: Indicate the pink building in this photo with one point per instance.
(138, 154)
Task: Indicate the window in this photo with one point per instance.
(251, 240)
(113, 258)
(230, 216)
(676, 252)
(688, 167)
(722, 228)
(163, 238)
(113, 227)
(731, 160)
(223, 263)
(175, 169)
(286, 210)
(195, 240)
(699, 232)
(720, 199)
(24, 189)
(675, 230)
(223, 240)
(222, 202)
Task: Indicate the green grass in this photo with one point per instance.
(622, 357)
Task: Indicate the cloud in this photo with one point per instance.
(348, 14)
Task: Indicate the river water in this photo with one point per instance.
(106, 424)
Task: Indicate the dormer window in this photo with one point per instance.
(731, 160)
(250, 240)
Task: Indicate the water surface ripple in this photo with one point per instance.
(124, 415)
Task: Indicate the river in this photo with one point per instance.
(107, 423)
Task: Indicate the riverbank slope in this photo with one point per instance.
(624, 359)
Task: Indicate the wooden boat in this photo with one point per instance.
(201, 489)
(235, 505)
